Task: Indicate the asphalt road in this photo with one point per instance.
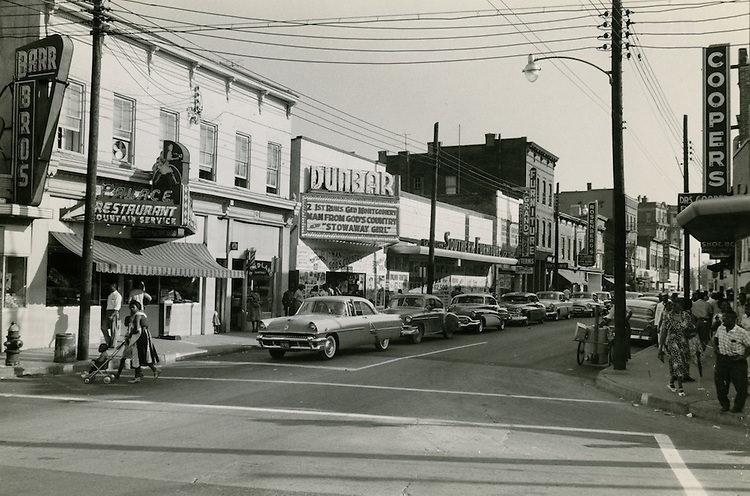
(498, 413)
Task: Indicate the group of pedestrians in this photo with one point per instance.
(686, 328)
(138, 346)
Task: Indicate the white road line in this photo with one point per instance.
(686, 478)
(343, 369)
(392, 388)
(688, 481)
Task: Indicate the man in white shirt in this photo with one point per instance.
(745, 323)
(659, 313)
(703, 313)
(732, 349)
(114, 303)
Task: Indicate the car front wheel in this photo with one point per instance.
(502, 325)
(480, 326)
(450, 326)
(417, 338)
(382, 344)
(330, 348)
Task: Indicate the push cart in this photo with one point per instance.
(595, 344)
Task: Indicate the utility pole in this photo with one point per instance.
(686, 189)
(622, 338)
(556, 206)
(84, 315)
(433, 209)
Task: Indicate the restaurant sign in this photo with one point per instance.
(364, 219)
(161, 209)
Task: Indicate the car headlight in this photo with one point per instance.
(312, 326)
(407, 319)
(551, 308)
(262, 326)
(588, 305)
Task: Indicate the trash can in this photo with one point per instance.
(65, 348)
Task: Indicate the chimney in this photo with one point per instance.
(489, 139)
(588, 186)
(431, 147)
(383, 157)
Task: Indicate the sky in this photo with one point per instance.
(377, 75)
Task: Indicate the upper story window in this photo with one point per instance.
(123, 132)
(207, 161)
(70, 125)
(169, 125)
(544, 192)
(273, 168)
(418, 184)
(451, 185)
(550, 194)
(242, 160)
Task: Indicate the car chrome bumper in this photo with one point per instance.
(408, 330)
(518, 318)
(466, 321)
(291, 342)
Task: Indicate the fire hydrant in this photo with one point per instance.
(13, 345)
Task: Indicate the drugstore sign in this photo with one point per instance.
(39, 80)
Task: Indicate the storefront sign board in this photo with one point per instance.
(364, 219)
(716, 119)
(591, 221)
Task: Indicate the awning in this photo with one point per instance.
(149, 258)
(409, 249)
(610, 280)
(573, 277)
(717, 219)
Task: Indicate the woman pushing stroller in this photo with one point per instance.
(138, 344)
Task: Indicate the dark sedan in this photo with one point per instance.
(642, 326)
(524, 308)
(477, 311)
(422, 315)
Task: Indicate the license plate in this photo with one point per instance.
(285, 345)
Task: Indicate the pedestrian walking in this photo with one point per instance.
(112, 325)
(703, 312)
(139, 294)
(216, 321)
(287, 301)
(732, 344)
(253, 310)
(673, 340)
(299, 297)
(139, 346)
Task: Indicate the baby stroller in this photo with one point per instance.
(103, 369)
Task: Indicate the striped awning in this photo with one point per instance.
(149, 258)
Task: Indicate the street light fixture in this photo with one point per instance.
(531, 71)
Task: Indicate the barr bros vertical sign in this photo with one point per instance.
(716, 118)
(40, 76)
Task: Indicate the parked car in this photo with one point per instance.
(632, 295)
(556, 305)
(605, 297)
(422, 315)
(584, 304)
(524, 308)
(328, 323)
(477, 311)
(642, 326)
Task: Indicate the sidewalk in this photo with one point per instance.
(644, 382)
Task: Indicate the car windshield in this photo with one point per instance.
(466, 299)
(547, 296)
(642, 312)
(406, 301)
(603, 295)
(581, 295)
(322, 307)
(516, 298)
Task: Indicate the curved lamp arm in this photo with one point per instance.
(531, 71)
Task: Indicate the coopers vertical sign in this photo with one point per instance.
(716, 118)
(40, 76)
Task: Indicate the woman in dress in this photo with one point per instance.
(139, 343)
(677, 326)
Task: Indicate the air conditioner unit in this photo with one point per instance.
(120, 150)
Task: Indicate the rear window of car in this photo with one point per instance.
(468, 299)
(642, 312)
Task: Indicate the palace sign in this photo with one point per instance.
(716, 117)
(40, 77)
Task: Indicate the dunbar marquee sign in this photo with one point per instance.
(350, 205)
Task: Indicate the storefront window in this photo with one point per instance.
(63, 279)
(179, 289)
(14, 282)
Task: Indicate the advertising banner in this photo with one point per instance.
(716, 119)
(351, 218)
